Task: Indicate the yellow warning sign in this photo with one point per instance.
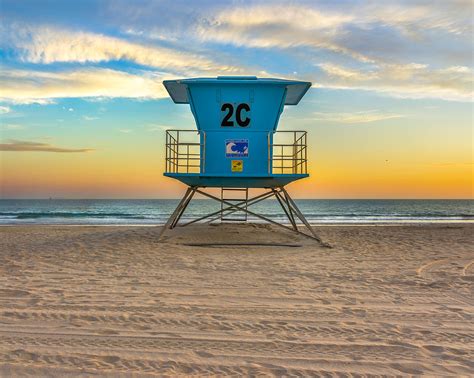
(237, 165)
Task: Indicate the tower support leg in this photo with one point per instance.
(284, 199)
(300, 215)
(183, 207)
(286, 208)
(178, 211)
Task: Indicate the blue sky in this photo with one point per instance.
(391, 81)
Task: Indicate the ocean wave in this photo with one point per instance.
(36, 215)
(160, 216)
(146, 212)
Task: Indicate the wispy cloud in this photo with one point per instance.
(46, 44)
(89, 118)
(356, 117)
(281, 25)
(126, 131)
(11, 126)
(23, 146)
(278, 26)
(26, 86)
(402, 49)
(419, 50)
(157, 127)
(4, 109)
(351, 75)
(416, 18)
(403, 80)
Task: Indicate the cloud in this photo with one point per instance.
(48, 45)
(157, 127)
(357, 117)
(399, 48)
(25, 101)
(27, 86)
(403, 80)
(5, 109)
(126, 131)
(278, 26)
(89, 118)
(449, 16)
(282, 25)
(337, 71)
(22, 146)
(11, 126)
(420, 50)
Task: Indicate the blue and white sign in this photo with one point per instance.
(236, 148)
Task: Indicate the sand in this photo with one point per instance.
(113, 301)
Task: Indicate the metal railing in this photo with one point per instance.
(288, 155)
(183, 152)
(186, 152)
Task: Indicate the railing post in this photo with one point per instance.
(187, 158)
(305, 153)
(270, 153)
(282, 159)
(175, 155)
(293, 166)
(203, 160)
(177, 151)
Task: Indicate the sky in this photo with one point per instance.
(83, 111)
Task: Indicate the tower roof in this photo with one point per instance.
(178, 89)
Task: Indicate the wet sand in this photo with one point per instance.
(114, 301)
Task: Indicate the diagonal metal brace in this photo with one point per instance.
(284, 199)
(179, 210)
(251, 201)
(313, 236)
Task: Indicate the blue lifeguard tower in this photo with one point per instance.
(235, 145)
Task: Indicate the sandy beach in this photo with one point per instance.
(113, 301)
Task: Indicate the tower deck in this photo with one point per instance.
(212, 181)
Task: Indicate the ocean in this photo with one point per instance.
(156, 212)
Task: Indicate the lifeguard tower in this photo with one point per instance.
(235, 146)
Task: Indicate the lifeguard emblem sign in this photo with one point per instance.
(236, 148)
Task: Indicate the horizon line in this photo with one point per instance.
(207, 199)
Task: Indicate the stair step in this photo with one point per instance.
(237, 215)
